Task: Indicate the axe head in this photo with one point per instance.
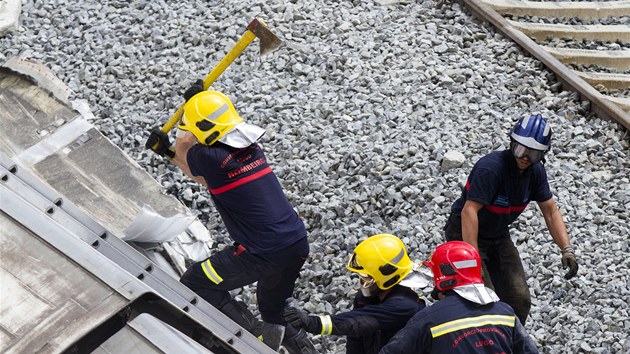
(268, 41)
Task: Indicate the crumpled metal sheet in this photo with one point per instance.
(9, 15)
(149, 226)
(55, 140)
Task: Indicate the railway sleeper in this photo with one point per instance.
(612, 59)
(542, 31)
(580, 9)
(608, 80)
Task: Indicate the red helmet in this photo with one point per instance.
(455, 263)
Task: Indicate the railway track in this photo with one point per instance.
(586, 44)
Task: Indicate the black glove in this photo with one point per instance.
(162, 144)
(194, 89)
(435, 294)
(569, 261)
(300, 319)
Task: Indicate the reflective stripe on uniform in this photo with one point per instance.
(241, 181)
(326, 324)
(208, 269)
(469, 322)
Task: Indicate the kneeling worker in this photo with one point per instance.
(381, 307)
(468, 318)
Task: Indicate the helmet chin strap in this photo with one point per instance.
(370, 290)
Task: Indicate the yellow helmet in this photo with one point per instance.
(209, 115)
(382, 257)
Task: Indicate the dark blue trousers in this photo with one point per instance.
(235, 267)
(502, 267)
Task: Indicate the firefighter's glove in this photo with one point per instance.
(300, 319)
(158, 141)
(569, 261)
(193, 90)
(435, 294)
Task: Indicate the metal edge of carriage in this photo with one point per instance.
(144, 286)
(135, 300)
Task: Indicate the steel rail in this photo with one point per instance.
(602, 106)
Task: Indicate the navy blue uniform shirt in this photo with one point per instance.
(248, 196)
(496, 183)
(372, 322)
(456, 325)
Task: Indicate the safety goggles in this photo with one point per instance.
(520, 151)
(352, 262)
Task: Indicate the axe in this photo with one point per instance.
(268, 43)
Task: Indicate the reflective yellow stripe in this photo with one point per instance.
(326, 324)
(210, 272)
(469, 322)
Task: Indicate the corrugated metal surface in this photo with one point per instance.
(48, 301)
(68, 283)
(62, 148)
(55, 288)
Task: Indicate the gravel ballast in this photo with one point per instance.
(360, 107)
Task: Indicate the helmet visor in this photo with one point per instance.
(519, 151)
(352, 262)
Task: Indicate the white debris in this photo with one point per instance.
(149, 226)
(452, 159)
(9, 15)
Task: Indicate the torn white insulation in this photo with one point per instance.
(149, 226)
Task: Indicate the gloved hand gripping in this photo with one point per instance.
(193, 90)
(300, 319)
(159, 142)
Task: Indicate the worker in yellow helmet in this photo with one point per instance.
(382, 305)
(218, 149)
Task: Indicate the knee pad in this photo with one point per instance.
(272, 335)
(239, 313)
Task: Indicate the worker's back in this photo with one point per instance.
(456, 325)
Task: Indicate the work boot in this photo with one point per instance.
(272, 335)
(299, 344)
(239, 313)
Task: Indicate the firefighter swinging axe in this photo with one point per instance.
(256, 29)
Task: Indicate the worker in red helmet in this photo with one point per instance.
(468, 318)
